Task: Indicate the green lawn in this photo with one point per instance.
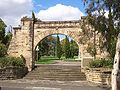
(46, 60)
(52, 59)
(69, 59)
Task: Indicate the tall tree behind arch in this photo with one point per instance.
(58, 48)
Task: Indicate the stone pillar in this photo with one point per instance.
(29, 48)
(22, 42)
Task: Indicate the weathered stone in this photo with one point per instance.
(101, 76)
(13, 73)
(25, 40)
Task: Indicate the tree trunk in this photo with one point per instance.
(115, 77)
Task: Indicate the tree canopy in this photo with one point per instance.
(109, 25)
(67, 47)
(4, 39)
(47, 46)
(58, 48)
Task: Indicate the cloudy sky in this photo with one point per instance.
(11, 11)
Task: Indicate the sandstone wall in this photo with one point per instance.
(99, 75)
(25, 40)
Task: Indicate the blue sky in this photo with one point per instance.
(46, 10)
(45, 4)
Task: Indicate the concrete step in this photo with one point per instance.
(53, 72)
(57, 79)
(56, 72)
(57, 67)
(55, 75)
(62, 74)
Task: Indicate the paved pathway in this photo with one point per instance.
(48, 85)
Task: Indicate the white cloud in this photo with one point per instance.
(13, 10)
(60, 12)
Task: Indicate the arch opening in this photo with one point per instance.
(46, 48)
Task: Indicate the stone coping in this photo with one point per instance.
(57, 22)
(99, 69)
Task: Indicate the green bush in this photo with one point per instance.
(3, 50)
(104, 63)
(11, 61)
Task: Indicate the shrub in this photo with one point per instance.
(105, 63)
(11, 61)
(3, 50)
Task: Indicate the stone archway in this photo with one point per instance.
(41, 35)
(38, 39)
(24, 39)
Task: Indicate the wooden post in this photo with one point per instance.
(115, 70)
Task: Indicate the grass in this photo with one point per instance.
(69, 59)
(52, 59)
(46, 60)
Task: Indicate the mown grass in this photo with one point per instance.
(46, 60)
(69, 59)
(52, 59)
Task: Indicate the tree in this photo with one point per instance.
(33, 17)
(2, 30)
(4, 39)
(116, 67)
(74, 49)
(52, 45)
(58, 48)
(107, 26)
(3, 50)
(67, 48)
(43, 47)
(62, 42)
(7, 39)
(47, 46)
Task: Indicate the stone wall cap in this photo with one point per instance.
(101, 69)
(55, 22)
(26, 19)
